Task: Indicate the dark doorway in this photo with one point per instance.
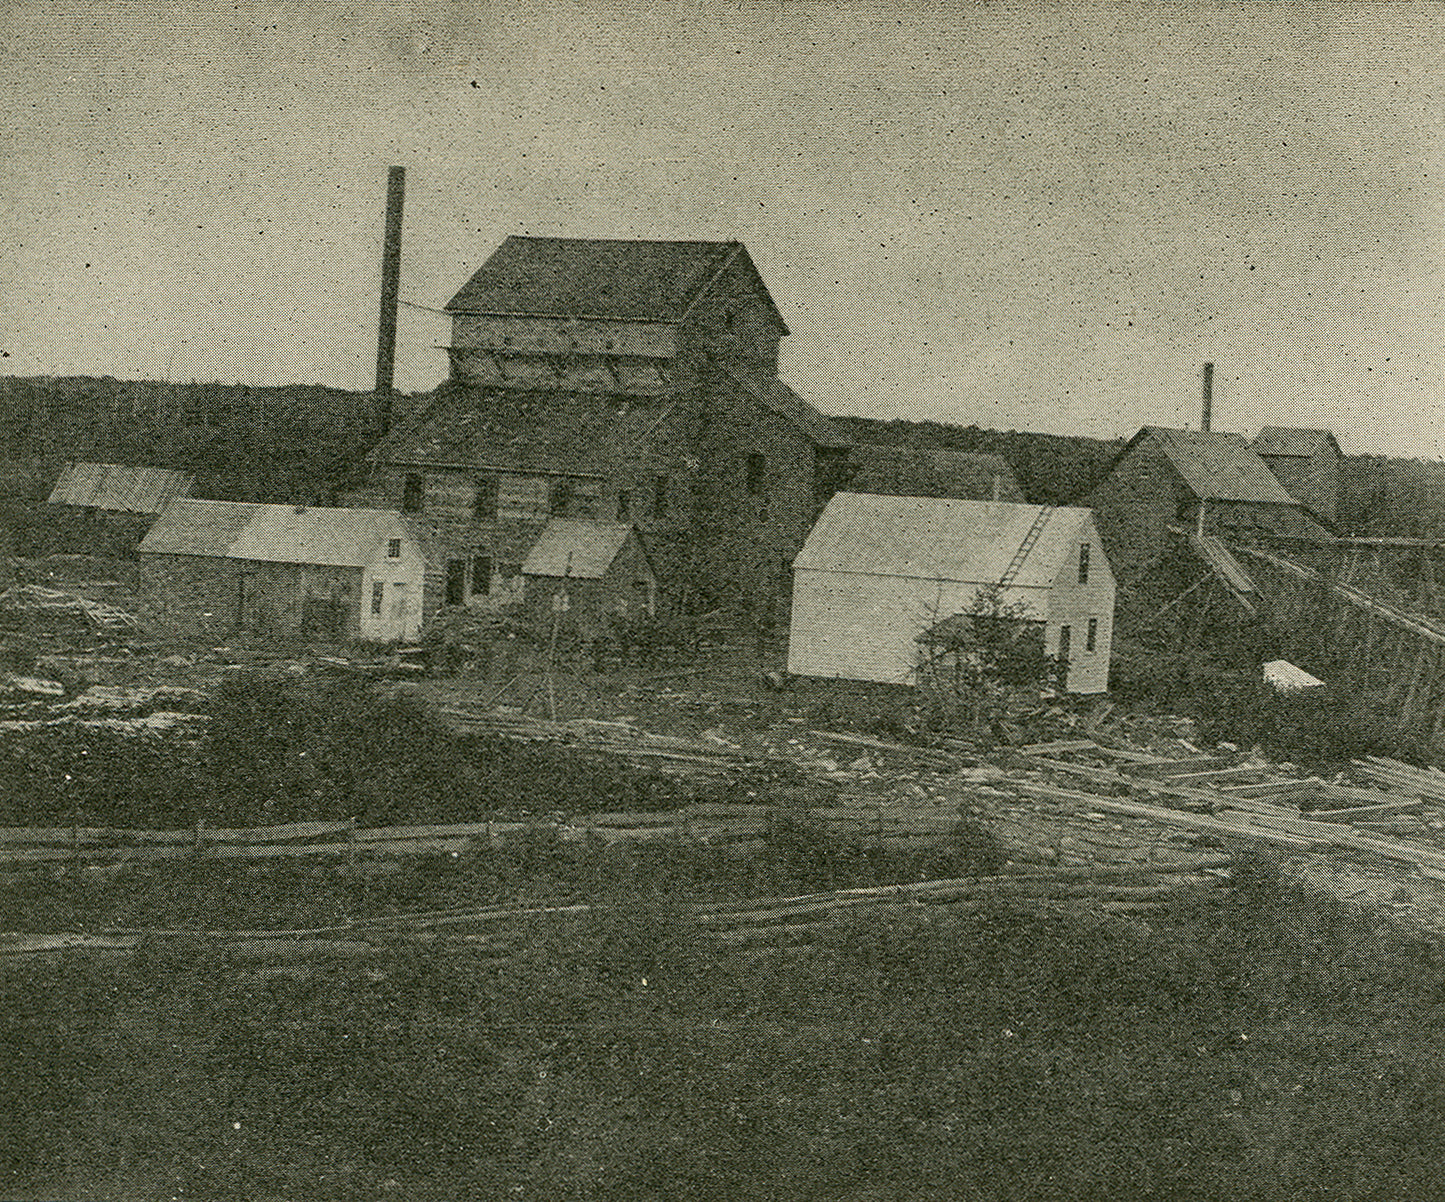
(456, 580)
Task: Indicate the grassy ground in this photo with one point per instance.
(1270, 1046)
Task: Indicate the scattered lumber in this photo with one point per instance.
(942, 757)
(1295, 832)
(1059, 745)
(1421, 782)
(1202, 799)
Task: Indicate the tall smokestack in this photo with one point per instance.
(390, 281)
(1208, 396)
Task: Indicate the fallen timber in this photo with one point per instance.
(1202, 799)
(1248, 825)
(739, 920)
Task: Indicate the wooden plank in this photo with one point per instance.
(1330, 834)
(1200, 797)
(1181, 818)
(1266, 788)
(1213, 773)
(1135, 757)
(1060, 745)
(879, 744)
(1169, 768)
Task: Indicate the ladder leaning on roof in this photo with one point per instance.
(1026, 546)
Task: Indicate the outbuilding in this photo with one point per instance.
(589, 569)
(105, 508)
(211, 568)
(877, 572)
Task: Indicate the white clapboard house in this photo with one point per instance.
(876, 573)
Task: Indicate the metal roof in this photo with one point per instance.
(1292, 442)
(927, 472)
(574, 547)
(1218, 466)
(276, 533)
(116, 487)
(620, 279)
(940, 538)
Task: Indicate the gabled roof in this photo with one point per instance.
(122, 489)
(821, 431)
(620, 279)
(939, 538)
(523, 430)
(1216, 465)
(1292, 442)
(573, 547)
(276, 533)
(926, 472)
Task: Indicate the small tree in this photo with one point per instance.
(970, 662)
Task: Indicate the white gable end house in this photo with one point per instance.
(877, 572)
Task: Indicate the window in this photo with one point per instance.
(393, 548)
(757, 470)
(1084, 563)
(456, 580)
(559, 498)
(484, 500)
(411, 494)
(624, 505)
(1092, 638)
(659, 496)
(481, 575)
(378, 588)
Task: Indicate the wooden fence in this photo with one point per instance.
(704, 823)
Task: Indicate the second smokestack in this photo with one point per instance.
(390, 285)
(1208, 413)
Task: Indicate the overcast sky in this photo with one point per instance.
(1032, 216)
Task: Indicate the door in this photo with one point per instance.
(245, 600)
(1066, 635)
(456, 581)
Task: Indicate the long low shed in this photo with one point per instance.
(213, 567)
(876, 572)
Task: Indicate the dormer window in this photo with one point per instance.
(393, 549)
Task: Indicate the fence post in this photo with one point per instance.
(198, 845)
(351, 843)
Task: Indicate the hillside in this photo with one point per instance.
(300, 443)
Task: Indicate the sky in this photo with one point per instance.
(1023, 216)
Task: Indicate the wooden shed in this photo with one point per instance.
(209, 568)
(587, 569)
(877, 572)
(105, 508)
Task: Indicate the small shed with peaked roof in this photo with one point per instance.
(1190, 478)
(587, 569)
(105, 508)
(215, 567)
(1307, 462)
(877, 572)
